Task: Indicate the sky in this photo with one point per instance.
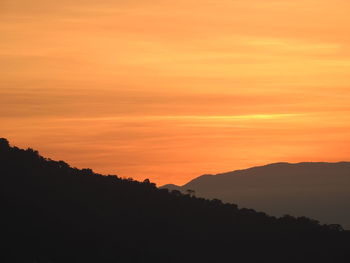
(170, 90)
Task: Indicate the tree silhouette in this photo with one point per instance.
(190, 192)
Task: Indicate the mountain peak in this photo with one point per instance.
(319, 190)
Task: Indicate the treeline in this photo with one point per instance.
(55, 213)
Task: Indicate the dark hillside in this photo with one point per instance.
(54, 213)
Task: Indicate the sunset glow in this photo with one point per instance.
(170, 90)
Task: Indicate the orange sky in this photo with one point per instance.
(169, 90)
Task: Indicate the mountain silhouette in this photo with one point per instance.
(317, 190)
(52, 212)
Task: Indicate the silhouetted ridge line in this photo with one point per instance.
(318, 190)
(55, 213)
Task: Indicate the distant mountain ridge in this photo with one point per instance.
(317, 189)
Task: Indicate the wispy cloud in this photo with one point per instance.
(187, 117)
